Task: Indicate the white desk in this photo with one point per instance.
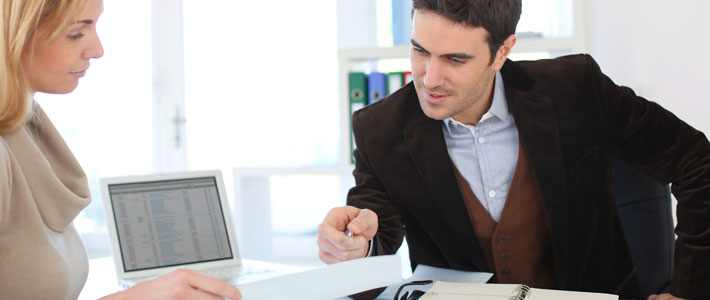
(102, 279)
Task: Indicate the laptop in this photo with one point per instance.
(158, 223)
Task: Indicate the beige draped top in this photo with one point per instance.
(42, 190)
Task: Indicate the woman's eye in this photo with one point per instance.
(75, 36)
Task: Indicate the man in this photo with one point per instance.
(491, 165)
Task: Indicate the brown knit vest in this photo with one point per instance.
(518, 247)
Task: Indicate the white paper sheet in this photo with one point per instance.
(330, 282)
(424, 272)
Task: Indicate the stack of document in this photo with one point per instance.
(337, 281)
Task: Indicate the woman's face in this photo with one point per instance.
(56, 67)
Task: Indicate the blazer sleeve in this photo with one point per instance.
(370, 193)
(653, 141)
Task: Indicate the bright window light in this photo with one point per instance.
(261, 83)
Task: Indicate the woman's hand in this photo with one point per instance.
(180, 284)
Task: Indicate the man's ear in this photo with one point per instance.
(504, 51)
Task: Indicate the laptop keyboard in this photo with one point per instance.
(231, 274)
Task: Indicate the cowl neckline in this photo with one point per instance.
(57, 182)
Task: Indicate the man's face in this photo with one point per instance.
(451, 66)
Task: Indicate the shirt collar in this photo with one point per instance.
(499, 105)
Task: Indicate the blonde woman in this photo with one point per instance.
(46, 46)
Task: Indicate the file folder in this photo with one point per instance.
(357, 85)
(377, 85)
(395, 81)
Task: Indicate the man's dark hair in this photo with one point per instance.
(498, 17)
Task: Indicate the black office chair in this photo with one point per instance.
(646, 216)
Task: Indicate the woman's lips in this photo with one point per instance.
(79, 73)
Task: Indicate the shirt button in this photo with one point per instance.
(492, 194)
(481, 140)
(500, 239)
(505, 270)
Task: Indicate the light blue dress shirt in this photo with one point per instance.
(486, 154)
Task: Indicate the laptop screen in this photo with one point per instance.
(169, 223)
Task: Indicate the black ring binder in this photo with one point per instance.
(522, 292)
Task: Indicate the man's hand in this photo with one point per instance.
(180, 284)
(334, 246)
(665, 296)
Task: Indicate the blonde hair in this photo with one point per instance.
(19, 24)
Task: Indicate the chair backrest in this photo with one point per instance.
(646, 215)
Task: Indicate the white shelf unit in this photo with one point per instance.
(347, 58)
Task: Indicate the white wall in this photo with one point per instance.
(363, 13)
(661, 49)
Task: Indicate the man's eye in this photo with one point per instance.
(456, 61)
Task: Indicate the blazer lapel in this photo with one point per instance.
(537, 127)
(425, 141)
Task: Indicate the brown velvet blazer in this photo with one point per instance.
(572, 119)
